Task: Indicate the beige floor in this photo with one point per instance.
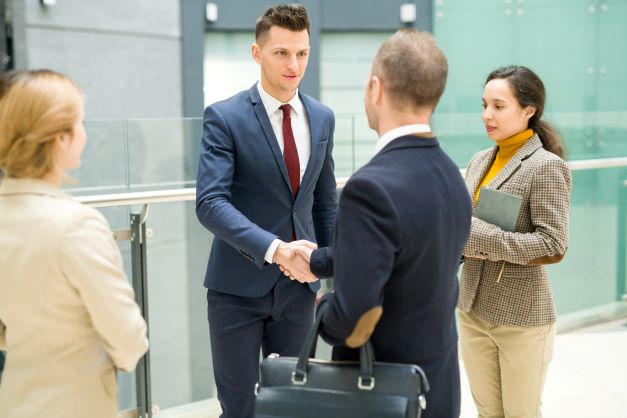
(587, 378)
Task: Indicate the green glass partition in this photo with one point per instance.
(579, 49)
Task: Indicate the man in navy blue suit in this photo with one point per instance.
(265, 178)
(401, 227)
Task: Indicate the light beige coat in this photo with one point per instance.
(68, 318)
(512, 287)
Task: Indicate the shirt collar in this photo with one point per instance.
(389, 136)
(272, 104)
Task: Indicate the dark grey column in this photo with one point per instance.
(311, 83)
(17, 10)
(192, 50)
(193, 26)
(4, 50)
(424, 15)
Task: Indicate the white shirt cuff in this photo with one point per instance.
(271, 250)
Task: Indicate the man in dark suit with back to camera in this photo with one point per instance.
(265, 178)
(401, 227)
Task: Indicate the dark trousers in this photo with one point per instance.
(240, 326)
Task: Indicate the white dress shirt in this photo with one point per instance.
(302, 137)
(392, 134)
(300, 127)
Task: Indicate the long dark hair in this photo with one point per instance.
(529, 91)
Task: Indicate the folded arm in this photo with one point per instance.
(549, 212)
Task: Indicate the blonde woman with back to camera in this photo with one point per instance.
(68, 318)
(507, 313)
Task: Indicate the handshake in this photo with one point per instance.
(293, 259)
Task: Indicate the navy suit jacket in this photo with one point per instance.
(401, 228)
(244, 197)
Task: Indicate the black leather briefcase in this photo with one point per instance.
(309, 388)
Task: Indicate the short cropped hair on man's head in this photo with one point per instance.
(413, 69)
(288, 16)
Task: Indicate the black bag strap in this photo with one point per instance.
(366, 357)
(366, 380)
(309, 346)
(366, 367)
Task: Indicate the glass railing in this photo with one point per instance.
(127, 164)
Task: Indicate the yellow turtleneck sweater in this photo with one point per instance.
(507, 149)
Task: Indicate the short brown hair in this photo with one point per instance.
(288, 16)
(413, 68)
(35, 106)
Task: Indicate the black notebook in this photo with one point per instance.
(498, 208)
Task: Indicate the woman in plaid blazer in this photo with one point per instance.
(506, 309)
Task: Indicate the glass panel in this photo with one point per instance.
(345, 61)
(343, 146)
(157, 152)
(119, 216)
(179, 336)
(582, 100)
(572, 45)
(104, 163)
(594, 265)
(228, 65)
(610, 135)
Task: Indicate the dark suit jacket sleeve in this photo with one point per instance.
(324, 207)
(213, 197)
(367, 238)
(321, 263)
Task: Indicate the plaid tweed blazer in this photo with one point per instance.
(511, 287)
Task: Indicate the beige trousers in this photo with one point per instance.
(506, 366)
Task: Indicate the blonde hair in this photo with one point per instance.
(35, 107)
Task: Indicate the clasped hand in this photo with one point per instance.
(293, 259)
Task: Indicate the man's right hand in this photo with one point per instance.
(292, 264)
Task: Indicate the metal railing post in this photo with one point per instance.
(140, 285)
(621, 244)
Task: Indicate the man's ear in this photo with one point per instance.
(376, 89)
(255, 50)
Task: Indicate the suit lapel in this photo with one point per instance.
(474, 178)
(266, 126)
(317, 151)
(513, 164)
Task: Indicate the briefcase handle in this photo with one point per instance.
(365, 381)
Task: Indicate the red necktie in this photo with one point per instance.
(290, 154)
